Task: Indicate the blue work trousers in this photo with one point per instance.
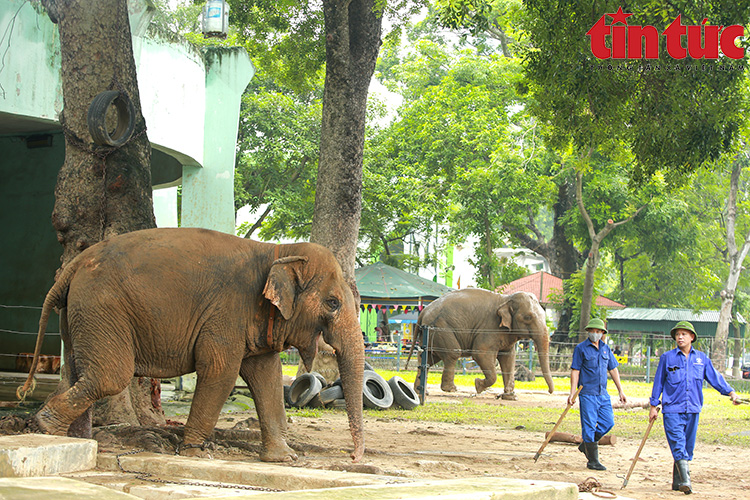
(681, 429)
(597, 417)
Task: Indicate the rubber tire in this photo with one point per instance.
(338, 403)
(303, 389)
(323, 381)
(403, 393)
(97, 115)
(287, 401)
(376, 393)
(329, 394)
(368, 367)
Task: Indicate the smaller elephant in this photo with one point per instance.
(486, 326)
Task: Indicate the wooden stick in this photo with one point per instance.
(638, 453)
(564, 437)
(559, 420)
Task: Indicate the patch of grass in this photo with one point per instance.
(720, 421)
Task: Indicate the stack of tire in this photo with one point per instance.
(312, 391)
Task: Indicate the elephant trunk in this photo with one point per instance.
(350, 355)
(542, 343)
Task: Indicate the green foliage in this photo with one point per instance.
(573, 292)
(675, 118)
(277, 154)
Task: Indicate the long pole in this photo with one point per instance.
(638, 453)
(559, 420)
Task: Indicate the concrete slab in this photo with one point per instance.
(485, 488)
(57, 488)
(156, 491)
(29, 455)
(259, 474)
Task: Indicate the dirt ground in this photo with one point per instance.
(442, 450)
(438, 450)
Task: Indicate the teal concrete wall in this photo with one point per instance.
(208, 192)
(30, 253)
(190, 99)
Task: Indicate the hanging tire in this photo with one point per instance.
(375, 391)
(303, 389)
(330, 394)
(97, 118)
(403, 393)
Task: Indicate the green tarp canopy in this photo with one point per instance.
(385, 285)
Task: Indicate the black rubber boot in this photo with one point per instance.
(597, 437)
(684, 477)
(592, 453)
(675, 478)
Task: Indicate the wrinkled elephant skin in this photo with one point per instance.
(165, 302)
(485, 326)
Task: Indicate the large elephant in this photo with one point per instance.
(486, 326)
(165, 302)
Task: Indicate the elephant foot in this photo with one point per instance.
(479, 385)
(509, 396)
(194, 450)
(278, 454)
(47, 422)
(448, 387)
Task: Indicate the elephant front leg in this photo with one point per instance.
(507, 361)
(212, 388)
(264, 379)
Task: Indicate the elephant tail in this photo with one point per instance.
(56, 297)
(416, 335)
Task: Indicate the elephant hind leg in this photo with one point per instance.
(447, 383)
(62, 410)
(87, 376)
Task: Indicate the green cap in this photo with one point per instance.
(596, 323)
(684, 325)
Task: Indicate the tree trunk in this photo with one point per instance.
(563, 258)
(101, 191)
(736, 258)
(353, 30)
(488, 253)
(592, 262)
(737, 355)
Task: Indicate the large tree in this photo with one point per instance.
(101, 191)
(735, 254)
(353, 37)
(294, 40)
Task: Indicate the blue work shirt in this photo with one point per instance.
(593, 364)
(679, 380)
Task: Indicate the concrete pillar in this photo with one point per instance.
(165, 207)
(208, 192)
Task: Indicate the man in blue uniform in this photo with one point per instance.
(592, 360)
(679, 381)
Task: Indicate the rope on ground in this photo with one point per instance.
(591, 485)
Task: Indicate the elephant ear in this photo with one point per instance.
(282, 283)
(505, 311)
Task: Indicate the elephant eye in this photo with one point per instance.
(333, 304)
